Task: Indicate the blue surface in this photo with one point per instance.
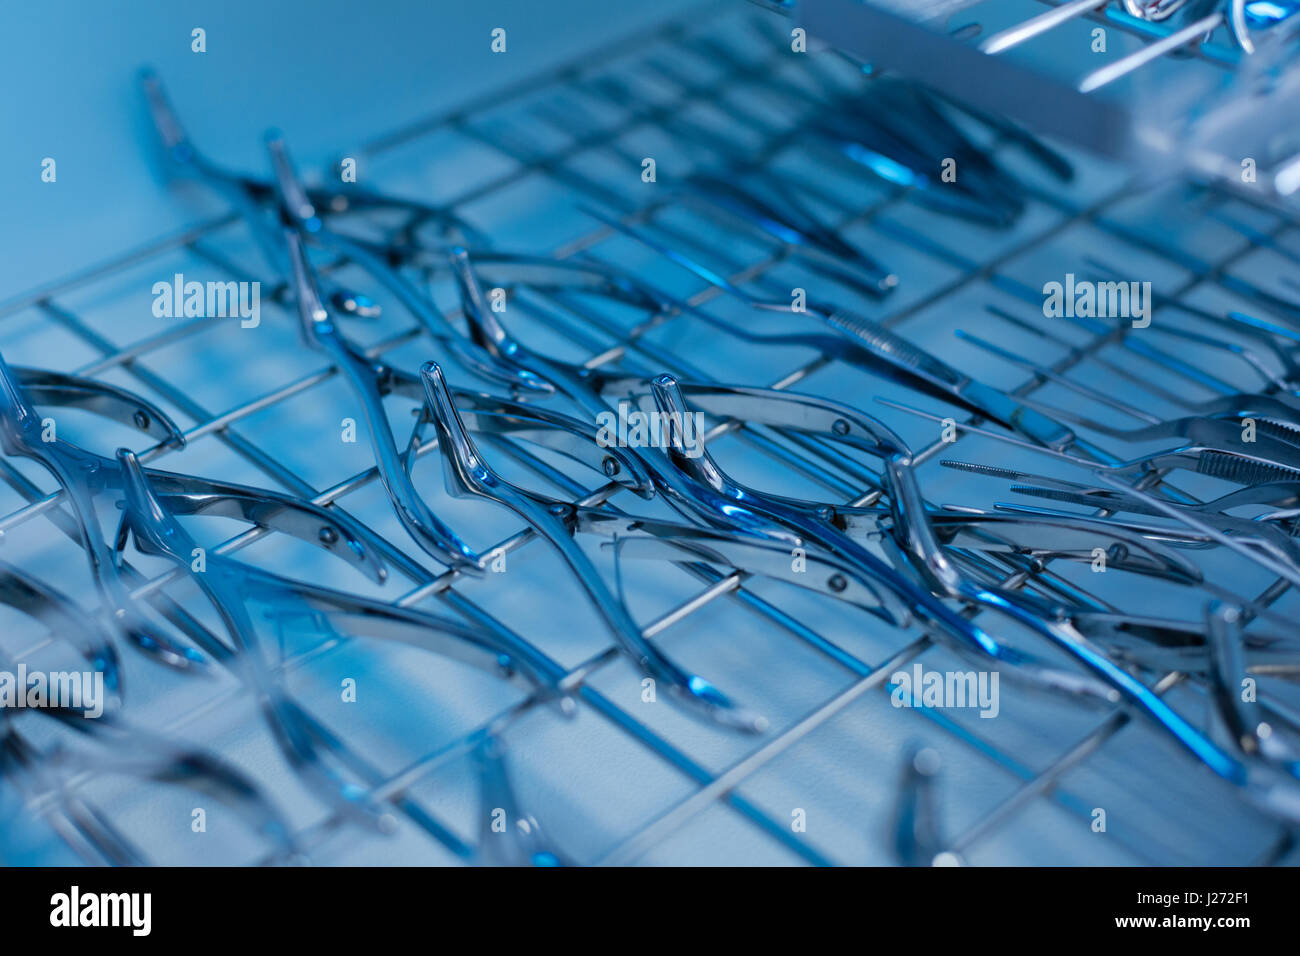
(601, 777)
(332, 74)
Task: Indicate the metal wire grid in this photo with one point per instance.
(686, 823)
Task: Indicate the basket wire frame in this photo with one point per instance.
(711, 787)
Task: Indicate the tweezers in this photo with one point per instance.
(1277, 437)
(1239, 467)
(1283, 494)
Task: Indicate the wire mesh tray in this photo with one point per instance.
(624, 780)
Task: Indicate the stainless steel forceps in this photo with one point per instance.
(468, 474)
(367, 380)
(83, 476)
(915, 535)
(301, 212)
(881, 349)
(230, 586)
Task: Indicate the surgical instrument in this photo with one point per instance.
(917, 544)
(302, 215)
(468, 474)
(241, 193)
(83, 476)
(889, 351)
(368, 380)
